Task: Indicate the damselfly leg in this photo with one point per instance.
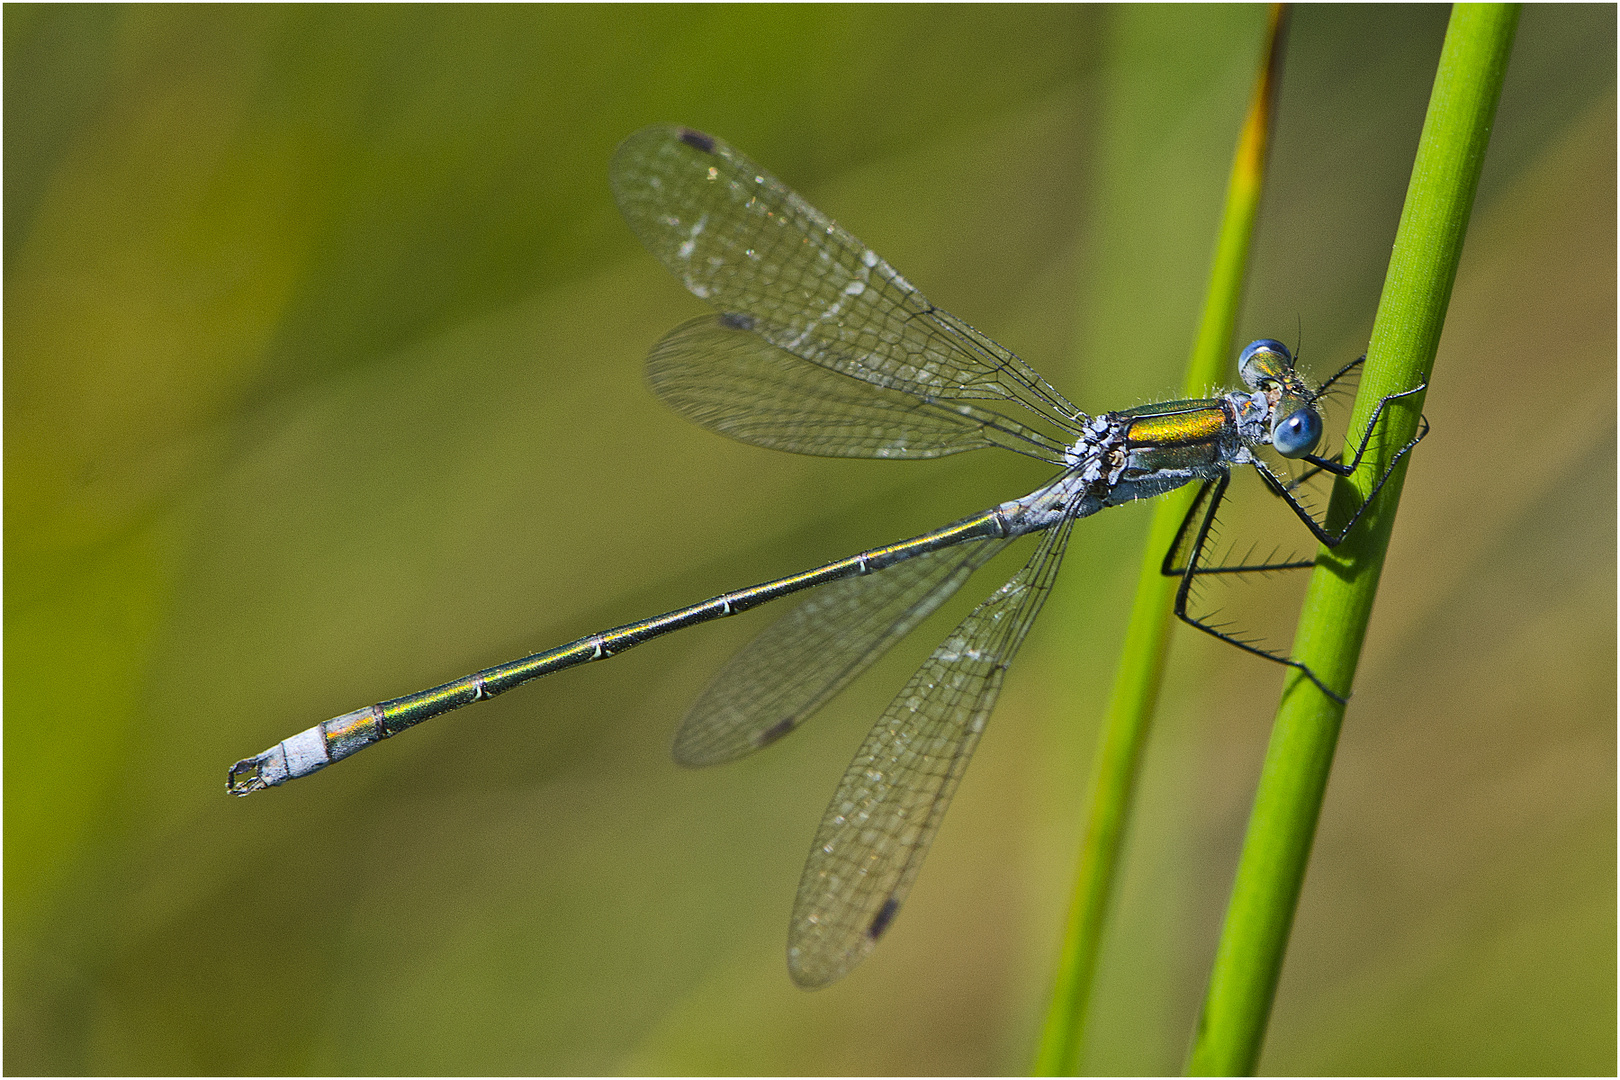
(1185, 555)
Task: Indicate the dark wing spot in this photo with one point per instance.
(697, 140)
(781, 727)
(736, 320)
(884, 917)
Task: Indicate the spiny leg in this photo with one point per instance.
(1341, 373)
(1175, 558)
(1203, 508)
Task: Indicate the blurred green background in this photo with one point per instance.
(323, 384)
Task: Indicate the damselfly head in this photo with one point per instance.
(1268, 366)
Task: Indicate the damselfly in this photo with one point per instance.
(820, 347)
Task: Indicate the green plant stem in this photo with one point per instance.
(1339, 600)
(1141, 665)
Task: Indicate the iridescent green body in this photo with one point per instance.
(1178, 436)
(1176, 423)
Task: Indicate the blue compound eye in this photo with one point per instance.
(1263, 362)
(1270, 344)
(1297, 433)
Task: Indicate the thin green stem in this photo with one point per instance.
(1141, 665)
(1339, 601)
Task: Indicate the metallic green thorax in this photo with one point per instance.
(1177, 435)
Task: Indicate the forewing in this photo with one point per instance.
(734, 382)
(889, 804)
(799, 662)
(742, 240)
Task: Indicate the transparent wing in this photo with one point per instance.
(804, 658)
(888, 806)
(735, 383)
(742, 240)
